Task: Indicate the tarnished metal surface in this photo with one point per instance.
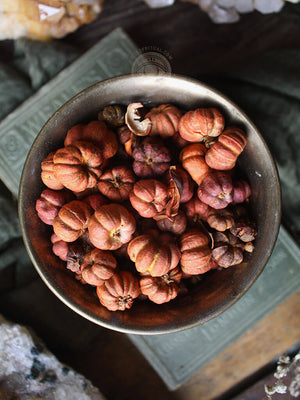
(219, 289)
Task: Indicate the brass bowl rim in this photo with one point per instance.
(60, 293)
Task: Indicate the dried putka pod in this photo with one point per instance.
(201, 124)
(154, 253)
(244, 230)
(195, 252)
(119, 292)
(220, 220)
(151, 158)
(224, 153)
(228, 249)
(164, 120)
(72, 220)
(50, 202)
(113, 115)
(111, 226)
(216, 189)
(98, 266)
(162, 289)
(176, 225)
(149, 197)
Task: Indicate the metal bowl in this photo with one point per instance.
(219, 289)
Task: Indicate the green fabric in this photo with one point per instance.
(41, 61)
(266, 87)
(34, 63)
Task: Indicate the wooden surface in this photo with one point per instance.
(231, 370)
(194, 44)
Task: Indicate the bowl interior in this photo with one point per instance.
(218, 290)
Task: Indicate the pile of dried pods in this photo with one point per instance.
(142, 199)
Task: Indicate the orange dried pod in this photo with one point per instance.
(178, 141)
(59, 247)
(97, 133)
(113, 115)
(192, 158)
(154, 253)
(176, 225)
(98, 266)
(73, 253)
(95, 200)
(164, 120)
(198, 125)
(72, 220)
(78, 166)
(151, 158)
(220, 220)
(128, 139)
(241, 191)
(185, 186)
(228, 249)
(161, 289)
(124, 134)
(50, 202)
(116, 183)
(47, 173)
(224, 153)
(119, 292)
(86, 193)
(76, 253)
(216, 189)
(196, 210)
(149, 197)
(196, 257)
(111, 226)
(244, 230)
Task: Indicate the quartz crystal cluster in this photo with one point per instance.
(29, 372)
(228, 11)
(45, 19)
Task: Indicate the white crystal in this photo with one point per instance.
(205, 4)
(294, 387)
(10, 28)
(284, 359)
(244, 6)
(159, 3)
(17, 360)
(47, 11)
(226, 3)
(268, 6)
(281, 371)
(270, 389)
(221, 15)
(281, 388)
(297, 356)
